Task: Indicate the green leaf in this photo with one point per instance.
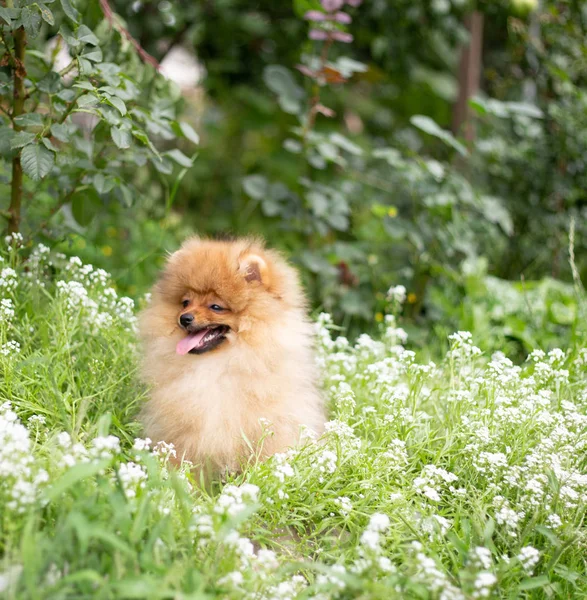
(495, 212)
(93, 55)
(143, 137)
(280, 81)
(36, 161)
(532, 583)
(29, 120)
(51, 83)
(187, 131)
(345, 144)
(70, 11)
(85, 66)
(85, 205)
(255, 186)
(5, 15)
(121, 137)
(125, 195)
(48, 144)
(31, 20)
(87, 100)
(524, 108)
(162, 165)
(103, 184)
(179, 157)
(429, 126)
(73, 476)
(46, 14)
(63, 131)
(86, 35)
(6, 136)
(117, 103)
(22, 138)
(84, 85)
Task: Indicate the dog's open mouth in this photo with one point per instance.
(202, 340)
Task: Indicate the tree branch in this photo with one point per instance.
(110, 16)
(17, 109)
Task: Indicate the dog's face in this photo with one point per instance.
(211, 292)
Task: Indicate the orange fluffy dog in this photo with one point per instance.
(227, 345)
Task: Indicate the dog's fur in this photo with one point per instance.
(208, 404)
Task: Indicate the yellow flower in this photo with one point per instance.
(107, 250)
(379, 317)
(392, 212)
(412, 298)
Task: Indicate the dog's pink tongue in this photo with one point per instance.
(190, 341)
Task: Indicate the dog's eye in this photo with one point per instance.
(185, 303)
(215, 308)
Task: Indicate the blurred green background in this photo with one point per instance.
(469, 210)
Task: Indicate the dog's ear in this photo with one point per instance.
(253, 268)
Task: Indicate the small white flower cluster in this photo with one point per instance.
(344, 505)
(132, 477)
(326, 463)
(142, 444)
(432, 480)
(462, 348)
(507, 516)
(529, 557)
(88, 291)
(72, 454)
(10, 348)
(164, 451)
(332, 582)
(397, 293)
(342, 435)
(14, 239)
(483, 584)
(395, 457)
(37, 420)
(234, 499)
(8, 279)
(435, 526)
(433, 577)
(289, 589)
(282, 469)
(106, 446)
(20, 478)
(480, 557)
(6, 310)
(394, 336)
(371, 538)
(79, 303)
(344, 399)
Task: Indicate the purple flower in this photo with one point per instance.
(354, 2)
(342, 17)
(315, 15)
(306, 71)
(340, 36)
(332, 5)
(318, 34)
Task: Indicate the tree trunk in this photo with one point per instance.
(469, 76)
(17, 110)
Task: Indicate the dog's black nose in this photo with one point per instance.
(186, 319)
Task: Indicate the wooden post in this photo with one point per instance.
(469, 76)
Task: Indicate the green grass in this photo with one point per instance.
(466, 479)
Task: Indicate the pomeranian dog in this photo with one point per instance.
(228, 348)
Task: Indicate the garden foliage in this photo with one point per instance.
(460, 479)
